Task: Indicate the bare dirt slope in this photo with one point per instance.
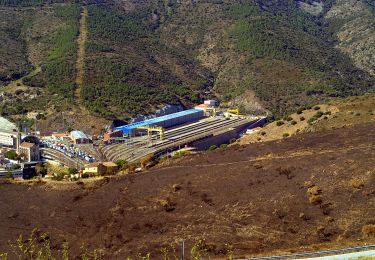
(307, 192)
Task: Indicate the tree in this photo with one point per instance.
(72, 171)
(11, 154)
(40, 169)
(121, 164)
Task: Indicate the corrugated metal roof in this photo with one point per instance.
(78, 135)
(156, 120)
(7, 126)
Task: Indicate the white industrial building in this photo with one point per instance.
(8, 133)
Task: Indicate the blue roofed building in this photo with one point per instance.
(166, 121)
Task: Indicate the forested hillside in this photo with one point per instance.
(260, 55)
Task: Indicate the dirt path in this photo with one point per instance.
(80, 64)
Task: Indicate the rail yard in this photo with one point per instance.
(196, 128)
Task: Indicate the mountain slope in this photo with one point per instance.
(259, 55)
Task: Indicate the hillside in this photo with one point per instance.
(309, 192)
(259, 55)
(340, 113)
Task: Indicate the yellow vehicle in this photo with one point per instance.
(152, 129)
(234, 111)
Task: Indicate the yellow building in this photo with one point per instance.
(100, 168)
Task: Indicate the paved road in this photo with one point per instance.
(336, 254)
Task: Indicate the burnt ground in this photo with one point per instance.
(304, 193)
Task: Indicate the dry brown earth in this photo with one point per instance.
(307, 192)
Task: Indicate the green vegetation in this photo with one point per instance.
(223, 146)
(171, 53)
(59, 70)
(318, 115)
(121, 77)
(8, 175)
(212, 147)
(279, 123)
(12, 155)
(298, 48)
(285, 135)
(122, 164)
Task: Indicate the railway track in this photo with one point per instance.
(174, 137)
(61, 157)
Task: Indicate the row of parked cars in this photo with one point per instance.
(68, 149)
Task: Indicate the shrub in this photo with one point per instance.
(357, 114)
(302, 118)
(285, 135)
(179, 154)
(299, 111)
(293, 122)
(223, 146)
(279, 123)
(9, 175)
(16, 167)
(328, 113)
(72, 171)
(58, 176)
(315, 199)
(319, 114)
(212, 147)
(317, 108)
(357, 183)
(121, 164)
(233, 140)
(12, 155)
(311, 120)
(85, 175)
(263, 133)
(369, 230)
(148, 161)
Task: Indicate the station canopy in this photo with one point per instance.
(7, 126)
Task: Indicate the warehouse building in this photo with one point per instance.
(79, 137)
(166, 121)
(8, 133)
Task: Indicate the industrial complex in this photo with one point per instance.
(197, 128)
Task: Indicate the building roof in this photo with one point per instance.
(110, 164)
(94, 164)
(7, 126)
(153, 121)
(59, 134)
(106, 164)
(27, 145)
(78, 135)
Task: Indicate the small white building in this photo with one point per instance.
(210, 103)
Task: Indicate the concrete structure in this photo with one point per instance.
(79, 137)
(60, 136)
(30, 151)
(112, 134)
(187, 116)
(210, 103)
(8, 133)
(101, 168)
